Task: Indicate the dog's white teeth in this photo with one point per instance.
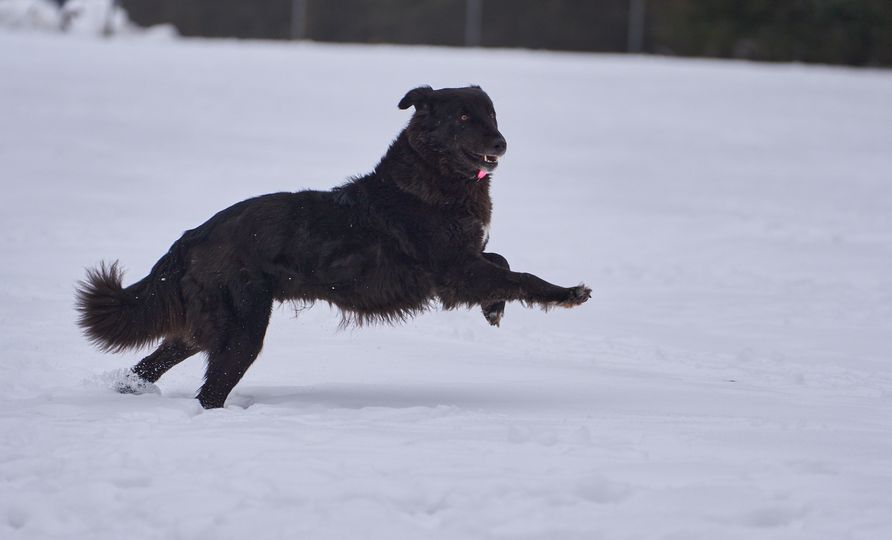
(491, 159)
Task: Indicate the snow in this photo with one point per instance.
(730, 377)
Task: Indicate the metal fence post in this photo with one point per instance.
(473, 22)
(298, 19)
(636, 26)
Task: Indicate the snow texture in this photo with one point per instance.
(730, 378)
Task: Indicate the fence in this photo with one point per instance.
(856, 32)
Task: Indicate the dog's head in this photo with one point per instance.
(457, 128)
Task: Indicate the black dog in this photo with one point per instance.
(381, 247)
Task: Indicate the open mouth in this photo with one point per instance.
(486, 161)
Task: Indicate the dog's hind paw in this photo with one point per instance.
(125, 381)
(494, 312)
(576, 296)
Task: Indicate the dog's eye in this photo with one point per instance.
(464, 117)
(492, 115)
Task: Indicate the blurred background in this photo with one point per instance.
(848, 32)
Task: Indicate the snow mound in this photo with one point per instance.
(30, 15)
(80, 17)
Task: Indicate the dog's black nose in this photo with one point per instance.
(500, 145)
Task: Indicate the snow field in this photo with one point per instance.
(729, 378)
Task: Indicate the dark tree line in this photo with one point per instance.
(854, 32)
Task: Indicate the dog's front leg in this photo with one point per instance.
(480, 281)
(493, 312)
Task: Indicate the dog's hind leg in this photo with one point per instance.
(227, 365)
(494, 312)
(235, 349)
(171, 352)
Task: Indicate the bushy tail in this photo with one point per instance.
(115, 318)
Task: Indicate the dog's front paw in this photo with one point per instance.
(576, 296)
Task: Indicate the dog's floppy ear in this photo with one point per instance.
(419, 97)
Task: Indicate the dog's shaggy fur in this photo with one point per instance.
(382, 247)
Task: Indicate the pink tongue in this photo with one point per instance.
(481, 174)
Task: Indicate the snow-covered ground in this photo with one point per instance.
(730, 378)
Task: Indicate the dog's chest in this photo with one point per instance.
(471, 231)
(455, 228)
(477, 217)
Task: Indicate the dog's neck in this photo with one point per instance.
(433, 180)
